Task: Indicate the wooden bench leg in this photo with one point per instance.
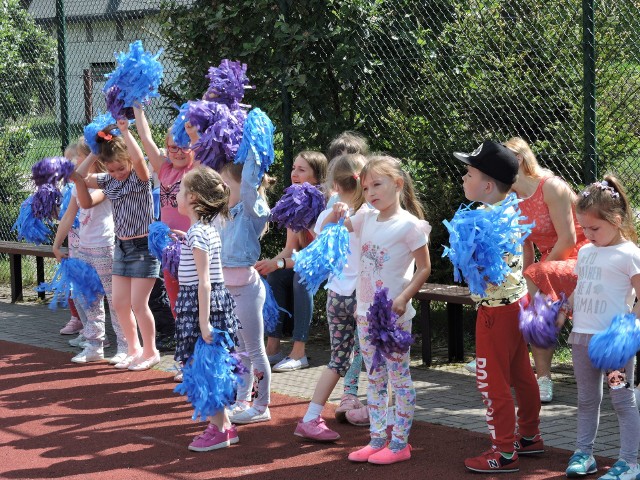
(40, 275)
(425, 328)
(15, 269)
(456, 334)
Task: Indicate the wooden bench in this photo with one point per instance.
(455, 297)
(16, 250)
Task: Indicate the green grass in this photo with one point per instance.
(28, 270)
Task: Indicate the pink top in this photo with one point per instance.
(170, 179)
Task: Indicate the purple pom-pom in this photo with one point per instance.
(171, 257)
(211, 375)
(227, 83)
(219, 143)
(115, 104)
(538, 320)
(613, 348)
(46, 202)
(137, 75)
(51, 170)
(386, 336)
(299, 207)
(30, 228)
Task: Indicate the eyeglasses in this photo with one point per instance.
(176, 149)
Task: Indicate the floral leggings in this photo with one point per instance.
(395, 371)
(341, 312)
(93, 316)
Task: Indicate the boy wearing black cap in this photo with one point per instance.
(502, 356)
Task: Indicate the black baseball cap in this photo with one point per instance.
(493, 159)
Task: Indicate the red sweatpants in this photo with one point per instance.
(502, 359)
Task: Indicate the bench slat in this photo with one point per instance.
(19, 248)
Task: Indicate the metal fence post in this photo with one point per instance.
(590, 165)
(62, 73)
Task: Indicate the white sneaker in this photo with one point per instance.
(471, 366)
(76, 342)
(289, 364)
(275, 358)
(250, 415)
(636, 393)
(85, 343)
(89, 354)
(237, 407)
(546, 389)
(117, 358)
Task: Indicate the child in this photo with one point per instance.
(170, 170)
(128, 185)
(308, 167)
(609, 276)
(502, 355)
(203, 301)
(74, 325)
(249, 214)
(341, 303)
(96, 248)
(394, 241)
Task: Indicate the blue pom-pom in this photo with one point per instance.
(386, 336)
(479, 240)
(178, 131)
(257, 139)
(91, 131)
(270, 310)
(613, 348)
(158, 238)
(299, 207)
(537, 320)
(210, 376)
(73, 278)
(137, 75)
(29, 227)
(67, 190)
(326, 255)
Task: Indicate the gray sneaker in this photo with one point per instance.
(546, 389)
(78, 341)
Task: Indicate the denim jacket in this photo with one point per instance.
(240, 234)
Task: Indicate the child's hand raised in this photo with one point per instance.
(123, 124)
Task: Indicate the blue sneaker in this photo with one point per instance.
(581, 464)
(621, 470)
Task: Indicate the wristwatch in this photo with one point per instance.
(281, 264)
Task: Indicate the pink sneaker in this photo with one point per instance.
(358, 416)
(210, 439)
(363, 454)
(232, 432)
(73, 326)
(347, 402)
(387, 456)
(317, 430)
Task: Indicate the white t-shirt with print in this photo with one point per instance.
(385, 254)
(604, 285)
(347, 283)
(96, 224)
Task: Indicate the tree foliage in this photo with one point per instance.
(26, 60)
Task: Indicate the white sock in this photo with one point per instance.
(313, 412)
(391, 416)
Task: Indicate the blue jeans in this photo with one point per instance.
(293, 297)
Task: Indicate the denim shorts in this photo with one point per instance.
(131, 258)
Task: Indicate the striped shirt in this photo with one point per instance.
(132, 203)
(204, 237)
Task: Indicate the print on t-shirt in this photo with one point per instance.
(373, 260)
